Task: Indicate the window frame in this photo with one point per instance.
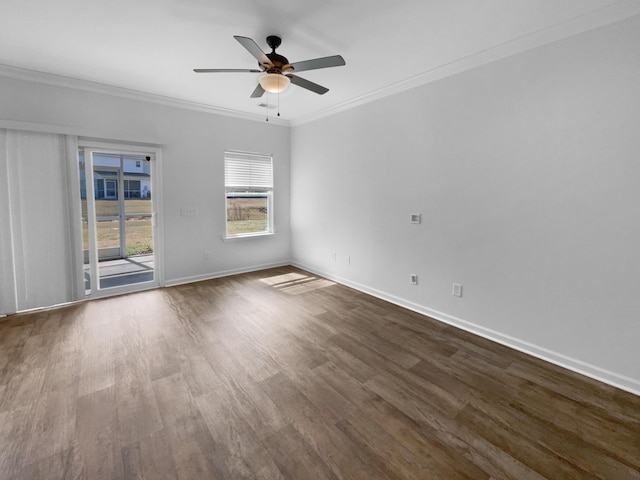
(128, 190)
(248, 191)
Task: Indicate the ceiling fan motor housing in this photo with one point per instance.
(273, 41)
(279, 62)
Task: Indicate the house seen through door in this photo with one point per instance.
(117, 220)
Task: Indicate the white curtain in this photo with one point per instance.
(40, 229)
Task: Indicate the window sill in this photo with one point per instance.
(246, 236)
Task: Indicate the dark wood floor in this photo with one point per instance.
(283, 375)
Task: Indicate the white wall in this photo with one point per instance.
(192, 145)
(526, 172)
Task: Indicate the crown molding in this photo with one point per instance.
(73, 130)
(615, 12)
(51, 79)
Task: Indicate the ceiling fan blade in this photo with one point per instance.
(221, 70)
(253, 48)
(258, 92)
(316, 63)
(314, 87)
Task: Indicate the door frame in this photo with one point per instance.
(89, 147)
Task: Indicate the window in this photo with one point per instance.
(132, 189)
(248, 180)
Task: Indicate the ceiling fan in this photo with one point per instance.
(278, 72)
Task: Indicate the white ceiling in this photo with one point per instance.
(152, 46)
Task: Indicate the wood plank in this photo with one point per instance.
(64, 465)
(237, 450)
(15, 336)
(581, 452)
(422, 442)
(245, 395)
(52, 424)
(24, 384)
(138, 413)
(98, 436)
(150, 457)
(279, 374)
(62, 373)
(319, 432)
(295, 458)
(387, 455)
(185, 430)
(520, 447)
(621, 440)
(14, 439)
(97, 361)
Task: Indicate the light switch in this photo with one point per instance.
(189, 211)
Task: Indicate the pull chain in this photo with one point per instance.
(278, 101)
(278, 96)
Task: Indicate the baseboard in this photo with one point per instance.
(622, 382)
(224, 273)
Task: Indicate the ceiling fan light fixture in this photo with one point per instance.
(274, 82)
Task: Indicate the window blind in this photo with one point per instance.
(247, 170)
(40, 248)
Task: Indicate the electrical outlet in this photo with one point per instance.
(413, 279)
(457, 290)
(206, 255)
(415, 218)
(333, 256)
(348, 260)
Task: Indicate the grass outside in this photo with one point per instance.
(138, 229)
(138, 234)
(109, 208)
(239, 227)
(247, 215)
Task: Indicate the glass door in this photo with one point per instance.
(118, 220)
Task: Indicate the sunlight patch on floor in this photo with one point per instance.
(289, 277)
(312, 284)
(296, 283)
